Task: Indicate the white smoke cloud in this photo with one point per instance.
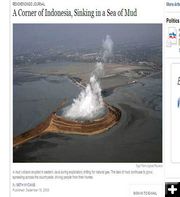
(107, 48)
(89, 104)
(99, 70)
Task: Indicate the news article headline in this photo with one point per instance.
(122, 12)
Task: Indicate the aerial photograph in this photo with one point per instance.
(87, 93)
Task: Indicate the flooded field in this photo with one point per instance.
(137, 137)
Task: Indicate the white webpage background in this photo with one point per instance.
(148, 12)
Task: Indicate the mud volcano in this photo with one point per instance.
(89, 104)
(58, 124)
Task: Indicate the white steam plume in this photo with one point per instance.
(89, 104)
(107, 48)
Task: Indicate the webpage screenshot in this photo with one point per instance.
(92, 98)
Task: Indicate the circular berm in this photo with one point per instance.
(99, 125)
